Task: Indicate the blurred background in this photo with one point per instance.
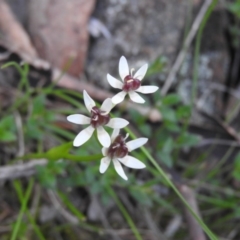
(50, 51)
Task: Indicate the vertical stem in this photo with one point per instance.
(23, 207)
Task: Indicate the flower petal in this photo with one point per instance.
(115, 133)
(83, 136)
(123, 68)
(104, 151)
(147, 89)
(117, 123)
(136, 97)
(89, 103)
(78, 119)
(107, 105)
(104, 164)
(132, 162)
(136, 143)
(114, 82)
(103, 137)
(119, 97)
(141, 72)
(119, 169)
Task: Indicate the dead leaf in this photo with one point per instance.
(59, 30)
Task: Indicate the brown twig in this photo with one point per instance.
(156, 232)
(195, 230)
(58, 206)
(231, 131)
(180, 58)
(21, 170)
(173, 226)
(222, 142)
(21, 146)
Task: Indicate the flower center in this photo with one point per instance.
(118, 149)
(98, 117)
(130, 83)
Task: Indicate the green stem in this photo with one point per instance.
(65, 156)
(71, 207)
(19, 191)
(23, 208)
(83, 158)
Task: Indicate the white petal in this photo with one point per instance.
(123, 67)
(119, 97)
(103, 137)
(115, 133)
(83, 136)
(136, 97)
(132, 162)
(141, 72)
(89, 103)
(114, 82)
(136, 143)
(117, 123)
(107, 105)
(104, 164)
(104, 151)
(119, 169)
(147, 89)
(78, 119)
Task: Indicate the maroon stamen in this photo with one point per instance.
(118, 149)
(98, 117)
(131, 84)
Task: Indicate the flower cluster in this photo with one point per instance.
(115, 148)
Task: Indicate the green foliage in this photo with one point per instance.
(183, 112)
(172, 136)
(23, 228)
(7, 129)
(236, 170)
(157, 66)
(234, 7)
(47, 175)
(141, 196)
(171, 99)
(168, 114)
(38, 118)
(58, 152)
(187, 140)
(140, 120)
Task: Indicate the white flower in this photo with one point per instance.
(118, 153)
(130, 83)
(99, 117)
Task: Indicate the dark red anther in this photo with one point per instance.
(98, 117)
(118, 149)
(131, 84)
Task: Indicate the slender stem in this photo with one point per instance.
(19, 191)
(23, 208)
(71, 207)
(83, 158)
